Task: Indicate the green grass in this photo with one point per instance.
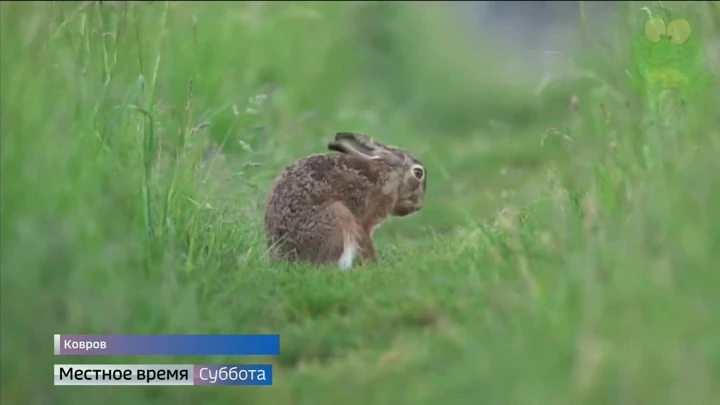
(580, 269)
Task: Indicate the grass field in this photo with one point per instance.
(561, 258)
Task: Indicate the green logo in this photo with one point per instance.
(669, 56)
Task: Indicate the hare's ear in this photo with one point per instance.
(355, 144)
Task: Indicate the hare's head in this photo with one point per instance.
(402, 173)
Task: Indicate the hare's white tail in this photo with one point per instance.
(350, 249)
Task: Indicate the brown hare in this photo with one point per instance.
(324, 208)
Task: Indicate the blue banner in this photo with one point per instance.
(211, 345)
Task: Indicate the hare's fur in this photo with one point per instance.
(323, 208)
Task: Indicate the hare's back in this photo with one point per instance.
(314, 181)
(302, 185)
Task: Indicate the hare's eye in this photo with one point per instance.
(418, 172)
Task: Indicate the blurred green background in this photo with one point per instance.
(567, 252)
